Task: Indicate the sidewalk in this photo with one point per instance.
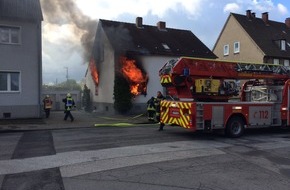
(82, 119)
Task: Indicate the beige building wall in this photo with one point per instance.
(231, 33)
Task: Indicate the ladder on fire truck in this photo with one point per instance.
(200, 67)
(264, 68)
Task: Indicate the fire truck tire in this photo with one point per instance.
(235, 127)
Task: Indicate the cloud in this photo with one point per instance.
(263, 6)
(282, 9)
(110, 10)
(232, 7)
(57, 58)
(255, 5)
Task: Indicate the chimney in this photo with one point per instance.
(248, 14)
(265, 18)
(287, 22)
(161, 25)
(139, 22)
(253, 15)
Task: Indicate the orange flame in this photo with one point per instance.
(94, 72)
(137, 79)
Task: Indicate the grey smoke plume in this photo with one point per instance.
(66, 12)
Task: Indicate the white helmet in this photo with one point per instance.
(68, 95)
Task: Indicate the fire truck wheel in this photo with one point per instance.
(235, 127)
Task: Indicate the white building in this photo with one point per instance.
(146, 47)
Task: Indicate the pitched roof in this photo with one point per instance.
(266, 35)
(21, 9)
(151, 40)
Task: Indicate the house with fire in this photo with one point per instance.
(137, 52)
(252, 39)
(20, 59)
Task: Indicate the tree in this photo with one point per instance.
(122, 95)
(68, 85)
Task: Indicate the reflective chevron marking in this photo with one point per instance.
(165, 79)
(183, 119)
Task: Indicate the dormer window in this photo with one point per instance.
(165, 46)
(283, 45)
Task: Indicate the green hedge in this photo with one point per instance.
(122, 95)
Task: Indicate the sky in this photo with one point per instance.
(68, 27)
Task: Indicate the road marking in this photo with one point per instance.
(115, 125)
(120, 162)
(77, 163)
(122, 156)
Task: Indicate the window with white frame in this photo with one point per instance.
(283, 45)
(9, 35)
(276, 61)
(226, 49)
(9, 81)
(237, 47)
(286, 63)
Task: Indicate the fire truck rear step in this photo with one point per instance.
(199, 117)
(276, 114)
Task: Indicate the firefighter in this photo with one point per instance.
(47, 105)
(157, 101)
(151, 109)
(68, 105)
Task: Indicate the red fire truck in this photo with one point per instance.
(205, 94)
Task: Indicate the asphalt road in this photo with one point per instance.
(140, 157)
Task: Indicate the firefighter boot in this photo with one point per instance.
(161, 127)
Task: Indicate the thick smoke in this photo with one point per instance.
(62, 12)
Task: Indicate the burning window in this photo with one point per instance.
(137, 79)
(95, 75)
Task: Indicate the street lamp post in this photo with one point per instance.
(66, 73)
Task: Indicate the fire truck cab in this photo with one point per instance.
(208, 95)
